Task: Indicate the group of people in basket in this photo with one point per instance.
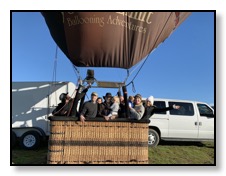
(111, 108)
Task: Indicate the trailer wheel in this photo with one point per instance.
(30, 140)
(153, 138)
(13, 139)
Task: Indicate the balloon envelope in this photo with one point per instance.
(110, 39)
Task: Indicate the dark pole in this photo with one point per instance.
(80, 95)
(119, 93)
(76, 100)
(124, 90)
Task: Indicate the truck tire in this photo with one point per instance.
(30, 140)
(13, 139)
(153, 138)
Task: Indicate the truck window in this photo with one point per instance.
(204, 110)
(160, 104)
(186, 109)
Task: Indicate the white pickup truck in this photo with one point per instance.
(194, 121)
(32, 103)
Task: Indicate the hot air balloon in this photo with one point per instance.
(105, 39)
(110, 39)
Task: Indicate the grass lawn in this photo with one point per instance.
(182, 153)
(165, 153)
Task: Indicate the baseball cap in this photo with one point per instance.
(94, 94)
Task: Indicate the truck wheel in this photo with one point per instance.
(30, 140)
(153, 138)
(13, 139)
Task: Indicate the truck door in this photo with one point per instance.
(183, 123)
(206, 122)
(161, 119)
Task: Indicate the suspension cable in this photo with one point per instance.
(76, 70)
(54, 73)
(138, 65)
(128, 74)
(131, 82)
(55, 65)
(138, 71)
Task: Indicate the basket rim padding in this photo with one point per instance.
(97, 119)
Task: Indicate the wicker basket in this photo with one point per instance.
(95, 142)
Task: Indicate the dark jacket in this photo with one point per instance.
(62, 108)
(100, 110)
(150, 110)
(89, 109)
(107, 108)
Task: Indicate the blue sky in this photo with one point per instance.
(180, 68)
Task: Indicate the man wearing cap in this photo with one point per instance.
(89, 110)
(137, 112)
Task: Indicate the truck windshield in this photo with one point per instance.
(204, 110)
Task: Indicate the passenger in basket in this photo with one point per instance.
(89, 110)
(138, 110)
(107, 104)
(64, 107)
(122, 108)
(131, 101)
(150, 108)
(100, 107)
(114, 109)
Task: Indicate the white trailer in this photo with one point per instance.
(32, 103)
